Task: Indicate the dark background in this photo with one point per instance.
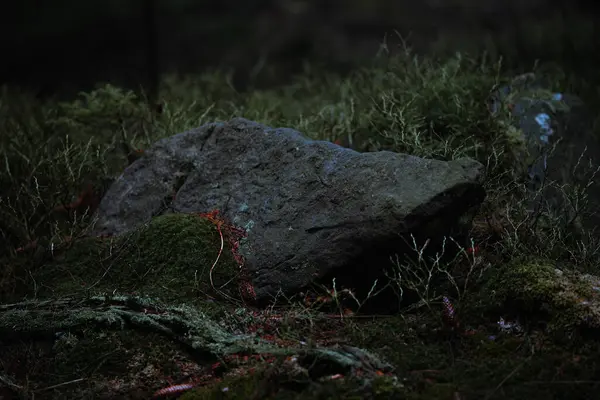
(63, 46)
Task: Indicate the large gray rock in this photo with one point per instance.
(310, 208)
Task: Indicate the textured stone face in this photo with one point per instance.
(309, 207)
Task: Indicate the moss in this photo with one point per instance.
(535, 290)
(169, 258)
(399, 340)
(265, 384)
(233, 388)
(132, 362)
(434, 364)
(527, 282)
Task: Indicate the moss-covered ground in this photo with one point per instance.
(176, 250)
(513, 317)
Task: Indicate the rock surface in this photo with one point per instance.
(310, 208)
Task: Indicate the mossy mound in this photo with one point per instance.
(542, 294)
(170, 258)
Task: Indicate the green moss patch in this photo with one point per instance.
(170, 258)
(539, 292)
